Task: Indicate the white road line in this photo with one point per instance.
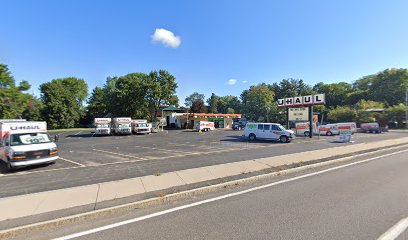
(138, 219)
(74, 134)
(40, 171)
(119, 154)
(395, 230)
(70, 161)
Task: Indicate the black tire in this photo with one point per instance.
(10, 168)
(252, 137)
(284, 139)
(307, 134)
(329, 133)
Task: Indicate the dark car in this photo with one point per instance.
(239, 125)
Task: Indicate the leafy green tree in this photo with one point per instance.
(33, 110)
(14, 103)
(213, 103)
(336, 93)
(198, 106)
(342, 114)
(257, 101)
(63, 101)
(396, 114)
(96, 103)
(126, 95)
(354, 97)
(229, 102)
(161, 91)
(290, 88)
(194, 96)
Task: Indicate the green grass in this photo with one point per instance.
(69, 129)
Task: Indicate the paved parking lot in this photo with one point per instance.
(86, 159)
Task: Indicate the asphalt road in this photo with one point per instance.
(361, 201)
(86, 159)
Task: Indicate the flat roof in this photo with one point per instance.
(215, 115)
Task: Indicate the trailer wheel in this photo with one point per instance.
(252, 137)
(307, 134)
(329, 133)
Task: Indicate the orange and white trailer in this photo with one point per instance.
(205, 126)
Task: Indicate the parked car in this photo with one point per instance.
(273, 131)
(239, 125)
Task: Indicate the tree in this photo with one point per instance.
(14, 103)
(195, 96)
(257, 101)
(396, 114)
(96, 103)
(290, 88)
(342, 114)
(336, 93)
(229, 102)
(63, 101)
(126, 95)
(213, 103)
(198, 106)
(161, 91)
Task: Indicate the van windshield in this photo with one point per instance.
(124, 126)
(102, 125)
(281, 127)
(29, 138)
(142, 125)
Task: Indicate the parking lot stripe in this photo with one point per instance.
(39, 171)
(120, 154)
(164, 150)
(70, 161)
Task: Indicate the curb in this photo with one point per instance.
(9, 233)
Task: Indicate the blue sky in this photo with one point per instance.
(250, 41)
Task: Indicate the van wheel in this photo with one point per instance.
(10, 168)
(329, 134)
(307, 134)
(283, 139)
(252, 137)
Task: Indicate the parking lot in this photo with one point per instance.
(87, 159)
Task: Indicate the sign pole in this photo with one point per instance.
(287, 118)
(311, 121)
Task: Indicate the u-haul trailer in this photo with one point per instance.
(205, 126)
(26, 143)
(122, 126)
(102, 126)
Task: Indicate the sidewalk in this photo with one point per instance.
(45, 202)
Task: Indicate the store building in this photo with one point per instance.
(220, 120)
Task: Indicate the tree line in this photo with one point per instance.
(66, 103)
(359, 101)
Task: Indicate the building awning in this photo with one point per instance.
(215, 115)
(172, 108)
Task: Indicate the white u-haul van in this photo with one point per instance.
(102, 126)
(25, 143)
(122, 126)
(140, 126)
(273, 131)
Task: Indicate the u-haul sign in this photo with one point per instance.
(317, 99)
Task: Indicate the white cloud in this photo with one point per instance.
(245, 81)
(232, 81)
(166, 37)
